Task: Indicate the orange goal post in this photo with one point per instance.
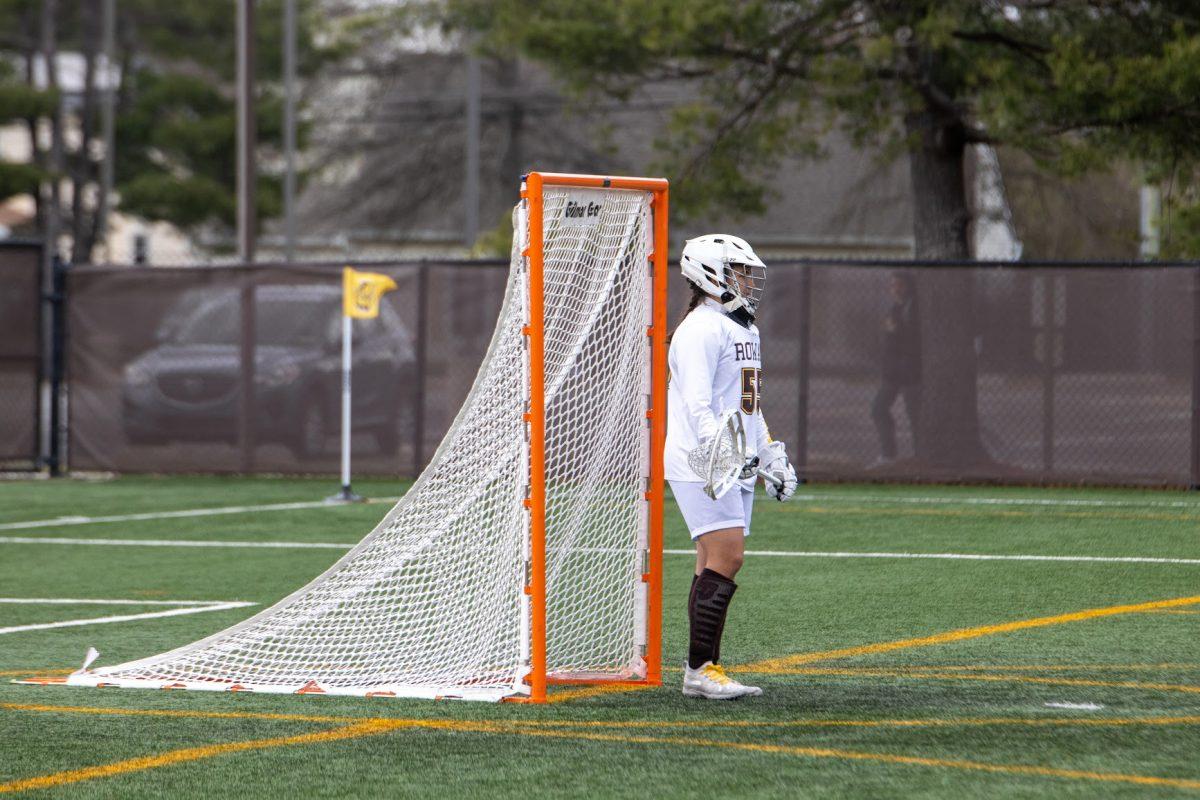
(654, 213)
(529, 550)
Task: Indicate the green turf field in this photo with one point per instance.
(889, 676)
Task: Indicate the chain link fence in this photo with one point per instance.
(20, 353)
(872, 371)
(237, 369)
(1002, 373)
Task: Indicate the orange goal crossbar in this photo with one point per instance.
(656, 413)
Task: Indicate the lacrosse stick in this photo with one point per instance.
(722, 461)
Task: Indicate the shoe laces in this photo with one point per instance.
(716, 673)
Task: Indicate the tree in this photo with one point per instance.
(175, 156)
(393, 131)
(1074, 83)
(19, 103)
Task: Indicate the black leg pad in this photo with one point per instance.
(710, 602)
(692, 596)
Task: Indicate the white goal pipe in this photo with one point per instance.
(347, 337)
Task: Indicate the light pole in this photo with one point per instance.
(245, 131)
(289, 130)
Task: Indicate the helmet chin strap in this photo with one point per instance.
(742, 316)
(736, 308)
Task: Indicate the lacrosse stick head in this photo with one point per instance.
(720, 462)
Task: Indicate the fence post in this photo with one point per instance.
(245, 425)
(418, 398)
(1049, 349)
(1194, 482)
(805, 331)
(58, 332)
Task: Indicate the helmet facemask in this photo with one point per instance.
(743, 287)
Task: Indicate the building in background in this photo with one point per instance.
(385, 176)
(387, 173)
(128, 239)
(390, 155)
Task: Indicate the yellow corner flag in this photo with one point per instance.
(361, 292)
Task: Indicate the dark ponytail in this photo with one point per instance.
(698, 296)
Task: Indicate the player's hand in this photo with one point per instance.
(774, 461)
(749, 469)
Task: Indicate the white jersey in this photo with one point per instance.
(714, 366)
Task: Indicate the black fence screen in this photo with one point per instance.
(1038, 374)
(20, 353)
(1022, 374)
(235, 369)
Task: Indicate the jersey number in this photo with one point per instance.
(751, 389)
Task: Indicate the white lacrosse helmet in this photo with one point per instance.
(726, 268)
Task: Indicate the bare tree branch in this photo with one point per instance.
(1033, 52)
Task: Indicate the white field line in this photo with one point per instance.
(818, 498)
(192, 607)
(958, 556)
(194, 512)
(75, 601)
(1048, 502)
(756, 553)
(174, 543)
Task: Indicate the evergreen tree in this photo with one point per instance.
(1075, 83)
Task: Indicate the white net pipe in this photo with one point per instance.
(431, 602)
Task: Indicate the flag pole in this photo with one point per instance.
(346, 495)
(361, 292)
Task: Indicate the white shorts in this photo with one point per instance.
(702, 514)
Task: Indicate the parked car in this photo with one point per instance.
(187, 387)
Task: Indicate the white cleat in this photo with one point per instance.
(710, 682)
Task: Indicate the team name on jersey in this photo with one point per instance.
(746, 351)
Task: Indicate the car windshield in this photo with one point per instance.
(279, 321)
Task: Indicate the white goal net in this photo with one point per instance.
(436, 600)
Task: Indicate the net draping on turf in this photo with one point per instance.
(432, 603)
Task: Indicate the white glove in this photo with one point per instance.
(774, 461)
(749, 469)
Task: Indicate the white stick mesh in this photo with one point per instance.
(431, 603)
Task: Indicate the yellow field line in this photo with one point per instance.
(10, 673)
(886, 758)
(1155, 687)
(557, 697)
(982, 513)
(946, 722)
(367, 728)
(938, 722)
(932, 674)
(185, 714)
(775, 665)
(411, 722)
(376, 726)
(595, 691)
(1052, 667)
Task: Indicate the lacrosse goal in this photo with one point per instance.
(529, 551)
